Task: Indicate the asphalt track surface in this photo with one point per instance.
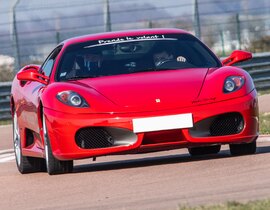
(264, 103)
(162, 180)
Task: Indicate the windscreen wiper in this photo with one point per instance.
(145, 70)
(79, 77)
(154, 69)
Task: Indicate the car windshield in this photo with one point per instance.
(134, 54)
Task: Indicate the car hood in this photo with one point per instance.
(150, 90)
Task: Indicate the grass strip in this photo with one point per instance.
(264, 123)
(5, 122)
(233, 205)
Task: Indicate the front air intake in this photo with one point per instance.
(219, 125)
(227, 124)
(93, 138)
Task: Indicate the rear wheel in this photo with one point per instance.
(207, 150)
(53, 165)
(243, 149)
(24, 164)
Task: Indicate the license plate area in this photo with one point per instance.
(168, 122)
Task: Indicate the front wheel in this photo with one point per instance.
(54, 166)
(243, 149)
(207, 150)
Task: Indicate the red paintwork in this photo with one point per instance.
(116, 100)
(32, 75)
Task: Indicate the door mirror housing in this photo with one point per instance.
(30, 73)
(237, 56)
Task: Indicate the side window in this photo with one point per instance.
(47, 66)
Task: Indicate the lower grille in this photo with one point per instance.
(220, 125)
(93, 138)
(227, 124)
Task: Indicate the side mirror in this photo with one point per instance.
(31, 74)
(237, 56)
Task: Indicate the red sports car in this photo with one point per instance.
(131, 92)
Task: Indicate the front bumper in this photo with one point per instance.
(62, 128)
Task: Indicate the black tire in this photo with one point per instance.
(207, 150)
(53, 165)
(243, 149)
(24, 164)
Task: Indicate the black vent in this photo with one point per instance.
(94, 137)
(227, 124)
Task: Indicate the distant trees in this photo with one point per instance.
(260, 45)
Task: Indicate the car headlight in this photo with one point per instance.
(72, 99)
(233, 83)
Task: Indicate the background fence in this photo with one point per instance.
(258, 68)
(5, 88)
(30, 29)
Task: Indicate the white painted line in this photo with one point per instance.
(5, 126)
(263, 139)
(6, 155)
(6, 151)
(6, 159)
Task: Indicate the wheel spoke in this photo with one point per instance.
(17, 139)
(45, 141)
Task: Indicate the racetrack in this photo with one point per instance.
(264, 103)
(147, 181)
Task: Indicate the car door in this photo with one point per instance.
(32, 92)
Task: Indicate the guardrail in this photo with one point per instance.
(258, 68)
(5, 88)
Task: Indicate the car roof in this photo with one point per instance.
(115, 34)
